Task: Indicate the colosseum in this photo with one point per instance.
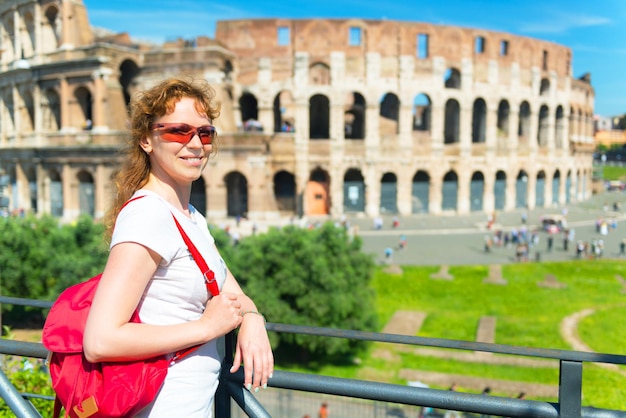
(320, 117)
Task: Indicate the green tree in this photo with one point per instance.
(40, 257)
(315, 277)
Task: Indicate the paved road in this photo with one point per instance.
(459, 239)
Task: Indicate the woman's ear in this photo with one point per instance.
(146, 145)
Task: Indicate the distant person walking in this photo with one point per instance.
(323, 412)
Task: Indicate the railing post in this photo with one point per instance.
(222, 397)
(570, 389)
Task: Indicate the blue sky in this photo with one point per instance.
(594, 30)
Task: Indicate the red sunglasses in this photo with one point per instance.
(183, 133)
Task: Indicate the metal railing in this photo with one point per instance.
(569, 403)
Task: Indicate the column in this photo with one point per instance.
(510, 193)
(435, 197)
(17, 36)
(491, 126)
(437, 116)
(99, 78)
(372, 184)
(531, 190)
(100, 201)
(64, 98)
(513, 141)
(67, 32)
(17, 115)
(465, 128)
(404, 197)
(489, 199)
(405, 120)
(38, 112)
(463, 192)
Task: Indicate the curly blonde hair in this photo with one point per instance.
(145, 108)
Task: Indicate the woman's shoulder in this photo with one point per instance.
(144, 208)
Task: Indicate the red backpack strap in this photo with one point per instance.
(207, 273)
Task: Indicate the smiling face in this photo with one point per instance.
(173, 163)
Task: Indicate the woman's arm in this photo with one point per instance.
(110, 337)
(253, 345)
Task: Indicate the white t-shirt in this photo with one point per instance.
(175, 294)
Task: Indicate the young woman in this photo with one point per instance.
(150, 268)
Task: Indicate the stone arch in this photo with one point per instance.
(84, 107)
(523, 127)
(55, 191)
(8, 35)
(452, 78)
(319, 116)
(502, 124)
(249, 108)
(33, 190)
(236, 194)
(285, 191)
(86, 193)
(540, 189)
(452, 121)
(284, 112)
(499, 190)
(27, 110)
(51, 110)
(389, 114)
(422, 112)
(477, 191)
(317, 197)
(479, 121)
(556, 186)
(543, 126)
(28, 41)
(389, 193)
(521, 190)
(353, 191)
(420, 192)
(51, 28)
(450, 191)
(568, 187)
(354, 116)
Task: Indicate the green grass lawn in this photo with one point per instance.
(614, 173)
(527, 315)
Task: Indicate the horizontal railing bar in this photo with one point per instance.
(408, 395)
(36, 303)
(548, 353)
(37, 396)
(23, 348)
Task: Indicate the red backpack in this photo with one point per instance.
(103, 389)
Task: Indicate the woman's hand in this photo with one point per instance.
(253, 348)
(222, 314)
